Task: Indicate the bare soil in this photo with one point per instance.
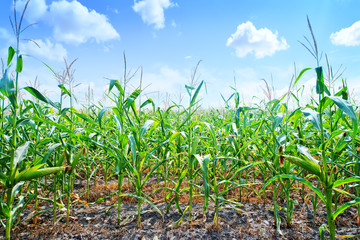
(254, 221)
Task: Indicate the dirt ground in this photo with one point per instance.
(254, 221)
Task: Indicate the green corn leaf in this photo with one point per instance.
(194, 145)
(50, 151)
(181, 218)
(11, 53)
(41, 97)
(135, 111)
(7, 88)
(144, 200)
(148, 101)
(101, 114)
(244, 109)
(277, 217)
(321, 231)
(244, 168)
(349, 236)
(189, 89)
(345, 206)
(212, 134)
(204, 164)
(19, 207)
(130, 100)
(324, 103)
(76, 159)
(305, 151)
(294, 114)
(85, 117)
(307, 164)
(182, 177)
(174, 136)
(119, 120)
(19, 64)
(345, 106)
(193, 98)
(294, 96)
(344, 192)
(152, 170)
(132, 146)
(34, 173)
(277, 120)
(117, 84)
(320, 85)
(4, 209)
(343, 92)
(146, 127)
(16, 190)
(300, 74)
(345, 181)
(302, 180)
(314, 117)
(21, 152)
(3, 177)
(104, 198)
(64, 90)
(52, 123)
(39, 213)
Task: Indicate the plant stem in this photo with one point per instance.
(329, 212)
(190, 188)
(8, 219)
(55, 199)
(68, 200)
(120, 180)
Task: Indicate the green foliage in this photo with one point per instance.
(186, 150)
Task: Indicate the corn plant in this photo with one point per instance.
(325, 169)
(191, 140)
(15, 172)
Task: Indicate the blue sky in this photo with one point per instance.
(248, 40)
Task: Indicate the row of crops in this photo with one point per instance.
(207, 154)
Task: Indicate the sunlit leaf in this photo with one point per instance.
(11, 53)
(19, 64)
(345, 206)
(21, 152)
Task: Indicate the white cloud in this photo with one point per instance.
(35, 10)
(152, 11)
(74, 23)
(262, 42)
(47, 49)
(347, 36)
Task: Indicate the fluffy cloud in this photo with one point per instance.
(71, 21)
(47, 49)
(35, 11)
(262, 42)
(74, 23)
(152, 11)
(347, 36)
